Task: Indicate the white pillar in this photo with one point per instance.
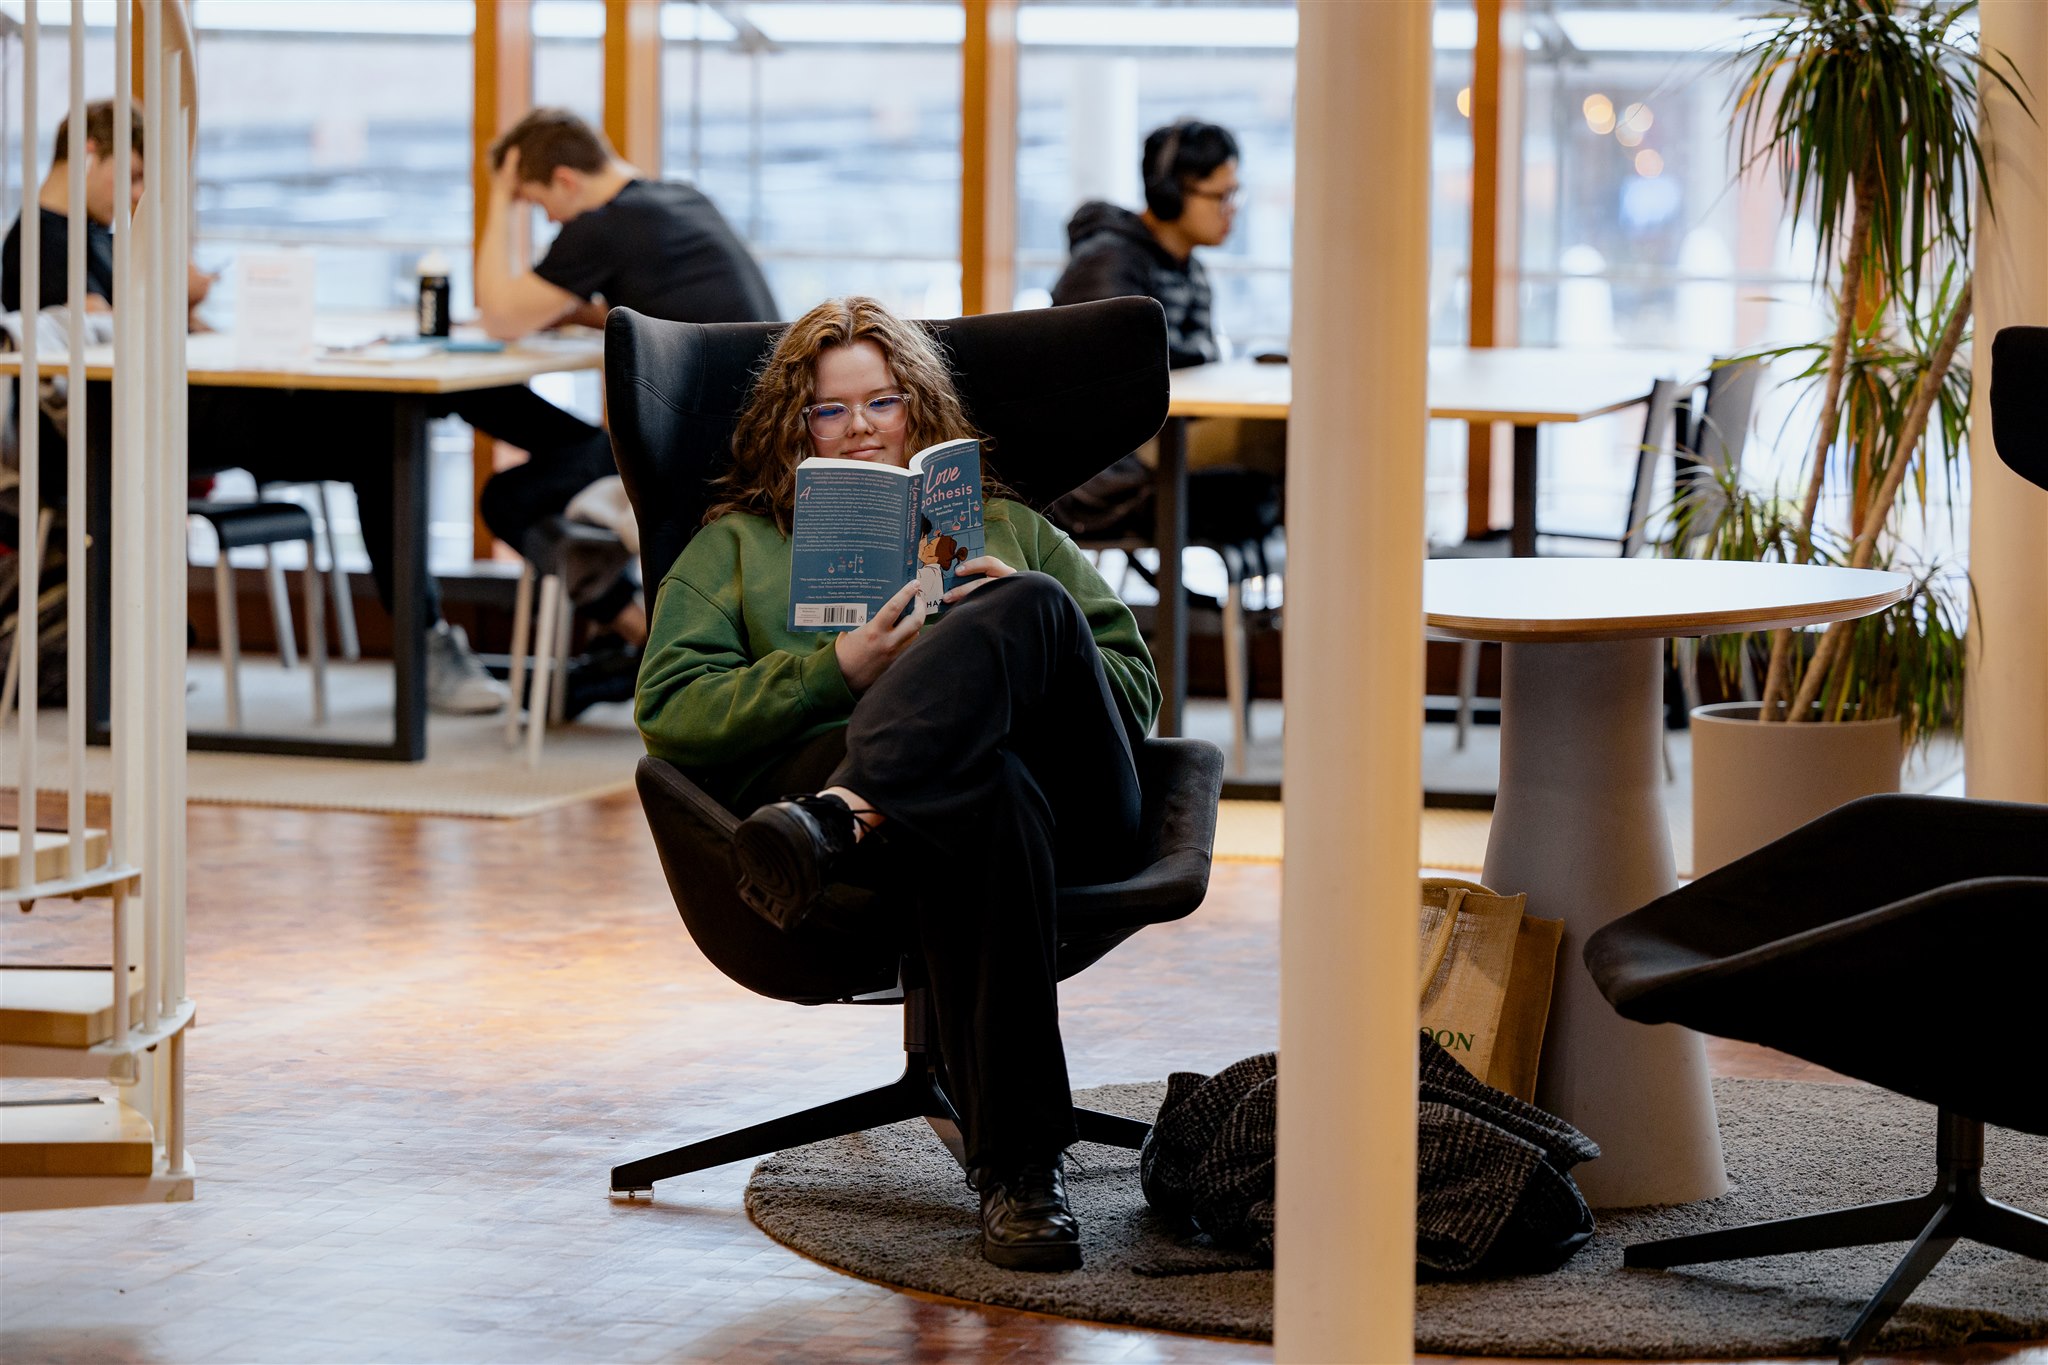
(1346, 1218)
(2006, 735)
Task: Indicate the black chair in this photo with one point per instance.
(2019, 400)
(1062, 393)
(1234, 513)
(1701, 449)
(238, 525)
(1860, 942)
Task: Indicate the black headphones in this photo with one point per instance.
(1162, 187)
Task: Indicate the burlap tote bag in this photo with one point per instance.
(1485, 980)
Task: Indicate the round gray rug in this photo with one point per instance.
(891, 1205)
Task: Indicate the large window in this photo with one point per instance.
(830, 135)
(1095, 77)
(568, 56)
(341, 127)
(53, 91)
(1634, 231)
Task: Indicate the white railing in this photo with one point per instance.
(137, 861)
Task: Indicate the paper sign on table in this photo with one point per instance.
(274, 296)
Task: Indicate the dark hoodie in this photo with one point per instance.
(1112, 255)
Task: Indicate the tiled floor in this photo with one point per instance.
(423, 1043)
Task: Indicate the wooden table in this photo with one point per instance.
(400, 391)
(1528, 388)
(1579, 822)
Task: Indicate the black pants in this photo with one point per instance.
(284, 435)
(564, 456)
(1005, 766)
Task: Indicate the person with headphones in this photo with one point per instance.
(1191, 188)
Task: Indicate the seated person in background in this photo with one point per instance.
(275, 434)
(917, 777)
(657, 247)
(1191, 188)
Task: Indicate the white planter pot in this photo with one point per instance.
(1753, 782)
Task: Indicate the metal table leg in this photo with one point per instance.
(1522, 534)
(1170, 534)
(408, 417)
(411, 532)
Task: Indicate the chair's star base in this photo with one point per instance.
(1956, 1207)
(917, 1093)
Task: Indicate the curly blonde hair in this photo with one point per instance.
(771, 436)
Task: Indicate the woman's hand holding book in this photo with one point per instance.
(866, 651)
(982, 568)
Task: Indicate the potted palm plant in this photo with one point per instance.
(1866, 110)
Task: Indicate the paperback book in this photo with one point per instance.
(863, 530)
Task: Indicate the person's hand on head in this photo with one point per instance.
(865, 652)
(505, 180)
(983, 568)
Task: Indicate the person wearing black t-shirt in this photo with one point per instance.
(659, 248)
(55, 250)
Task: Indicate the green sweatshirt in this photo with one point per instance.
(726, 687)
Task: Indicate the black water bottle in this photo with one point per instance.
(433, 295)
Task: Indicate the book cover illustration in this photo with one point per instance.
(863, 530)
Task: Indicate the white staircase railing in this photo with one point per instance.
(121, 1027)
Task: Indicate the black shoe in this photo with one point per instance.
(1025, 1221)
(787, 851)
(607, 671)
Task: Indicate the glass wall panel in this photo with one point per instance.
(53, 89)
(568, 73)
(339, 127)
(342, 127)
(830, 135)
(568, 56)
(1634, 230)
(1097, 75)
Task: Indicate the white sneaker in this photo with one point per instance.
(456, 682)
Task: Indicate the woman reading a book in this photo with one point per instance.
(971, 763)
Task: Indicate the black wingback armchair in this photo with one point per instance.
(1061, 393)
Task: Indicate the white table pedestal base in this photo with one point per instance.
(1579, 825)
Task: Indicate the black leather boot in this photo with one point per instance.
(1025, 1221)
(787, 851)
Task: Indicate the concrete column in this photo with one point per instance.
(1346, 1222)
(2006, 733)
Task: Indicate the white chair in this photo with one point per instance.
(549, 666)
(559, 553)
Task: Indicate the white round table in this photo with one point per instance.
(1579, 821)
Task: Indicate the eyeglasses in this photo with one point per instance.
(828, 421)
(1227, 198)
